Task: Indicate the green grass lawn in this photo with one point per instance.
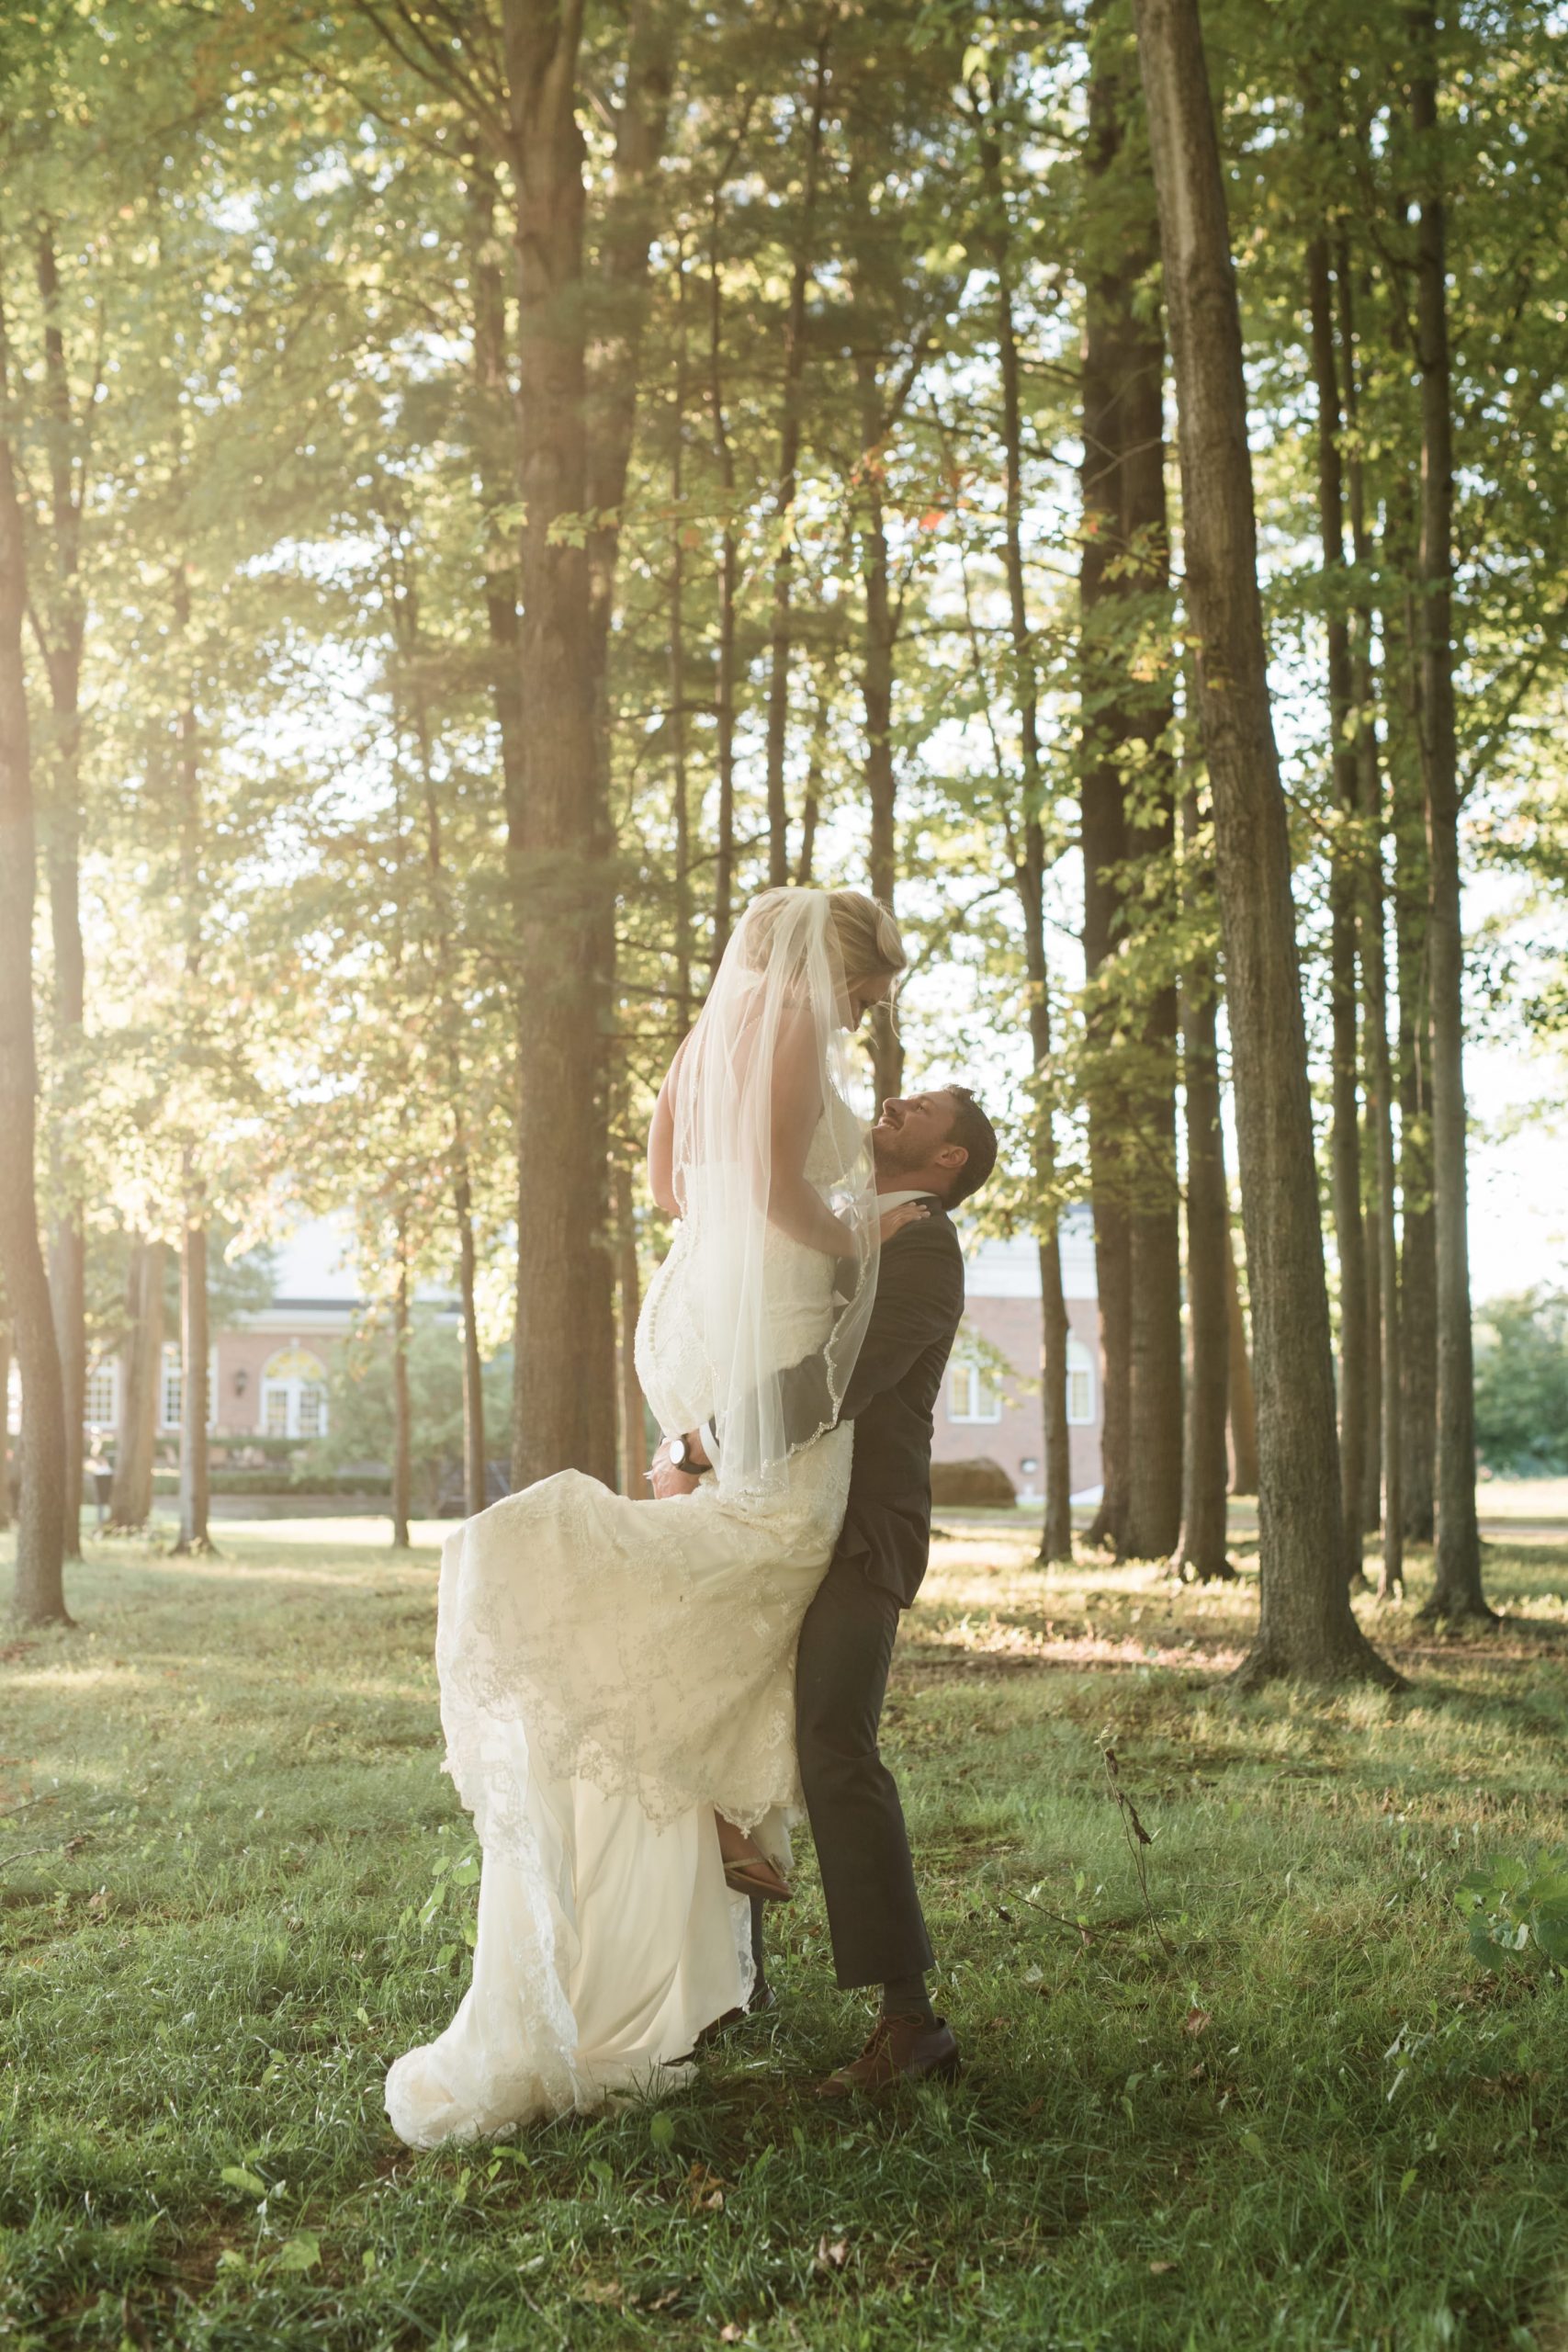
(1277, 2106)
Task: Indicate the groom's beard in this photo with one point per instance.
(885, 1156)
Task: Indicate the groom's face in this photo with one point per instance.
(909, 1137)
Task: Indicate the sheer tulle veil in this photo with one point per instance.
(780, 982)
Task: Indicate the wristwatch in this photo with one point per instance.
(680, 1454)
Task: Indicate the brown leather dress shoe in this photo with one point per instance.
(901, 2050)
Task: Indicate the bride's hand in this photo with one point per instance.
(897, 1219)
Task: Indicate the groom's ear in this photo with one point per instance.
(951, 1158)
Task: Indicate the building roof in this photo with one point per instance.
(1011, 1269)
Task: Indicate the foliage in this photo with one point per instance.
(359, 1403)
(1517, 1910)
(1521, 1384)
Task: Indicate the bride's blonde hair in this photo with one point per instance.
(866, 936)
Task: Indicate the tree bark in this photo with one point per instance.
(39, 1587)
(1109, 292)
(560, 870)
(4, 1425)
(1029, 877)
(877, 696)
(1306, 1627)
(1345, 1145)
(1200, 1556)
(61, 643)
(1385, 1482)
(729, 590)
(634, 1429)
(475, 1466)
(1241, 1402)
(793, 359)
(141, 1363)
(493, 439)
(193, 1351)
(1457, 1593)
(402, 1419)
(680, 781)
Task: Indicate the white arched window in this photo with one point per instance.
(1080, 1382)
(970, 1396)
(294, 1394)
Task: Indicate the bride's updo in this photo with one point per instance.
(863, 937)
(866, 936)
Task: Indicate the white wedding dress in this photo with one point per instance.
(612, 1672)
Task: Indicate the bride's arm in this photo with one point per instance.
(661, 1140)
(795, 1206)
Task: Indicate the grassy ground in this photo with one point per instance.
(1279, 2106)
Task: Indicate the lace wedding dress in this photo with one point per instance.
(612, 1672)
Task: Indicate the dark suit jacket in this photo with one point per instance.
(892, 1393)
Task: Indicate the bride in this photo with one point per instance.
(617, 1676)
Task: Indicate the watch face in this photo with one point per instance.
(678, 1452)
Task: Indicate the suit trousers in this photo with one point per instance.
(857, 1822)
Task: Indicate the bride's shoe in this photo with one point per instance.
(754, 1874)
(747, 1869)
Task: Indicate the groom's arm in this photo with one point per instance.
(918, 1302)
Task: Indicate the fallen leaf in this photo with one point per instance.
(833, 2256)
(1158, 2269)
(1197, 2021)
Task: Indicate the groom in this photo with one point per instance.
(935, 1149)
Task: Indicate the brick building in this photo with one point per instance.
(991, 1405)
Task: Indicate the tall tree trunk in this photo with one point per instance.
(680, 781)
(1109, 287)
(39, 1588)
(195, 1347)
(1371, 1322)
(634, 1429)
(1200, 1555)
(475, 1467)
(1386, 1483)
(1346, 1137)
(1306, 1627)
(61, 642)
(494, 442)
(141, 1367)
(1029, 877)
(794, 361)
(402, 1418)
(1242, 1404)
(1457, 1592)
(5, 1424)
(562, 873)
(1154, 1408)
(1411, 896)
(1418, 1256)
(876, 694)
(193, 1531)
(729, 590)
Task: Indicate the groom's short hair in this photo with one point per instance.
(975, 1132)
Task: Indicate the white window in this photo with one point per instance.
(970, 1396)
(100, 1409)
(294, 1394)
(1080, 1383)
(172, 1385)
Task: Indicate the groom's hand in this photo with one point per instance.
(665, 1480)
